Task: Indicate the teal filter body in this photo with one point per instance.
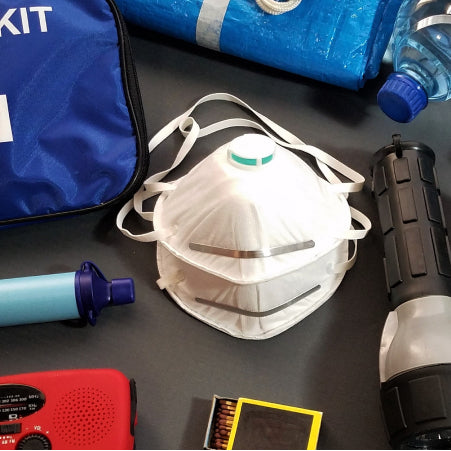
(74, 295)
(421, 52)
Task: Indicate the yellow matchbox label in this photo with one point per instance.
(265, 425)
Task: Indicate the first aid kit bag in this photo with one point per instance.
(72, 129)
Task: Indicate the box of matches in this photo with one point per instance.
(251, 424)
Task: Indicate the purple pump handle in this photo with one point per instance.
(93, 292)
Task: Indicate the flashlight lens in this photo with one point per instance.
(432, 440)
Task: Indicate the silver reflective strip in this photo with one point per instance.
(232, 309)
(209, 23)
(265, 252)
(433, 20)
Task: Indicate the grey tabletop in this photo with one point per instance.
(327, 362)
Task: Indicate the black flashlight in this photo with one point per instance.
(415, 352)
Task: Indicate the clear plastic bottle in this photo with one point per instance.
(421, 59)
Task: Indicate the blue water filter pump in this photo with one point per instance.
(57, 297)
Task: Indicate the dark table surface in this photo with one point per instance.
(327, 362)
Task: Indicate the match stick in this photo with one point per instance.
(223, 421)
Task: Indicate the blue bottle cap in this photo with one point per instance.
(401, 97)
(93, 292)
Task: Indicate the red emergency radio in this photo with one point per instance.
(69, 409)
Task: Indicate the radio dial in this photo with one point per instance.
(34, 441)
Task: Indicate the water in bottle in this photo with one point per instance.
(421, 59)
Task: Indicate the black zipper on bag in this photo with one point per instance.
(136, 111)
(134, 102)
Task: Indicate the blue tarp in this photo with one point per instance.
(340, 42)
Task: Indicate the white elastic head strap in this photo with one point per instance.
(284, 138)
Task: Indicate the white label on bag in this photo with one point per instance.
(6, 133)
(7, 24)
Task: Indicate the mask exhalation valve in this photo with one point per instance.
(251, 150)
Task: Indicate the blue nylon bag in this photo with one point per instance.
(340, 42)
(72, 129)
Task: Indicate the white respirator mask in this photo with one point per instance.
(251, 240)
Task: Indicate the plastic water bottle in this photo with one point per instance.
(421, 59)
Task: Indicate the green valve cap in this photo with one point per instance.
(251, 150)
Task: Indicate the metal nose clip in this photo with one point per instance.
(258, 253)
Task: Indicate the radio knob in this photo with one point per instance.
(34, 441)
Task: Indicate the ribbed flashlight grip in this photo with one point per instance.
(417, 262)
